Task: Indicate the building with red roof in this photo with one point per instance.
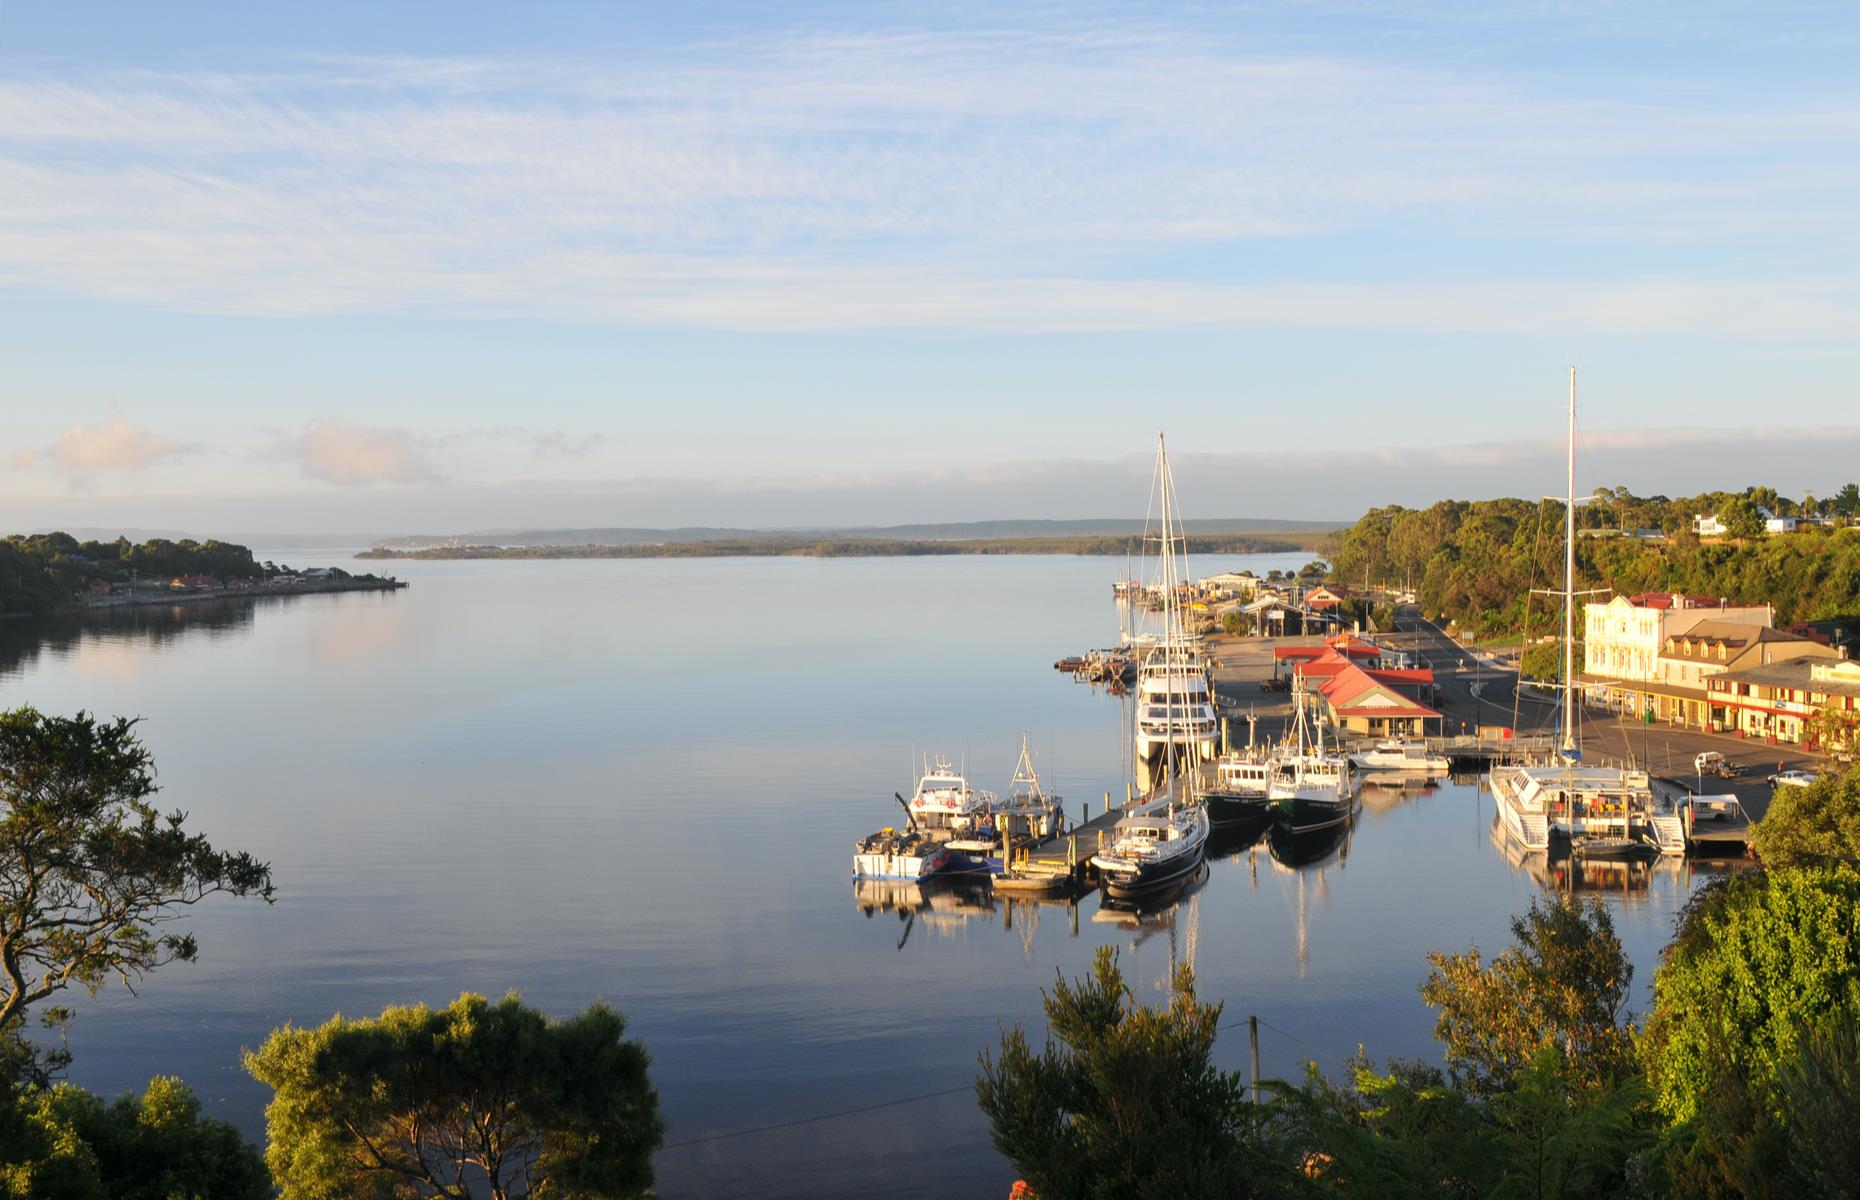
(1370, 702)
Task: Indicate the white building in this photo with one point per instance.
(1623, 638)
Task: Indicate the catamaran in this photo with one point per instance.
(1598, 810)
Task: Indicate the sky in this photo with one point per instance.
(427, 268)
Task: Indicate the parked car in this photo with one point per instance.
(1275, 683)
(1793, 778)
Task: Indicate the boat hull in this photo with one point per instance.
(1309, 814)
(1151, 877)
(919, 865)
(1236, 808)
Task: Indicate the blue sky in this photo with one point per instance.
(419, 266)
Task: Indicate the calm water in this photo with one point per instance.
(641, 781)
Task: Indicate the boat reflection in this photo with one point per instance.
(1314, 849)
(945, 906)
(1633, 879)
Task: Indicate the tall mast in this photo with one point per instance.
(1569, 582)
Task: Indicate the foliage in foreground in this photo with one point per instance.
(1760, 961)
(1123, 1100)
(421, 1103)
(1563, 985)
(63, 1143)
(93, 873)
(1813, 826)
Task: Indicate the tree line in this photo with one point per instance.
(1475, 562)
(42, 571)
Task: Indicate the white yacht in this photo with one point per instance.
(949, 828)
(1396, 755)
(1177, 728)
(1591, 809)
(1175, 705)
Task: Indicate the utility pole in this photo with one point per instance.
(1252, 1033)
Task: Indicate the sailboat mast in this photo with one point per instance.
(1569, 581)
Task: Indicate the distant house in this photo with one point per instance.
(97, 587)
(1322, 599)
(1228, 583)
(193, 583)
(1707, 525)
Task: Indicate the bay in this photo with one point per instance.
(641, 781)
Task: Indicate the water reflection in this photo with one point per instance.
(1630, 880)
(134, 629)
(1314, 849)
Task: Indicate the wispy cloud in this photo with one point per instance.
(997, 180)
(115, 445)
(349, 454)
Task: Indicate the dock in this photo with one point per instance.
(1066, 856)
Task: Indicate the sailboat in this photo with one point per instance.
(1175, 719)
(1164, 842)
(1596, 810)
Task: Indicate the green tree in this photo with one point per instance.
(1740, 518)
(1813, 826)
(1759, 961)
(66, 1143)
(91, 875)
(1846, 502)
(1820, 1090)
(1123, 1100)
(421, 1103)
(1564, 984)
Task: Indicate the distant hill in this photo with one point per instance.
(964, 531)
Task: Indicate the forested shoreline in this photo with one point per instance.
(41, 572)
(1475, 562)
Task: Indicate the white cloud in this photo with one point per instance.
(982, 180)
(115, 445)
(342, 452)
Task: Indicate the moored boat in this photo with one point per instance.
(1399, 756)
(1152, 849)
(949, 828)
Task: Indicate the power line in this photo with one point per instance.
(832, 1116)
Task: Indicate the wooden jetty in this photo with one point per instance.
(1473, 752)
(1064, 860)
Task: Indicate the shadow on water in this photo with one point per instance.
(22, 643)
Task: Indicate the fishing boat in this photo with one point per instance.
(1028, 806)
(1595, 810)
(949, 828)
(1032, 810)
(1239, 791)
(1303, 759)
(1398, 756)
